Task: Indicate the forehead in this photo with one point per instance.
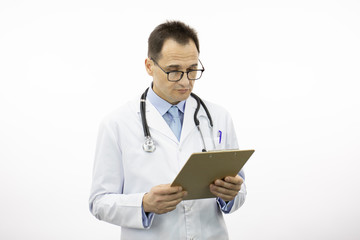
(174, 52)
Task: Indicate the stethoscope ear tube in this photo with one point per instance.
(199, 101)
(196, 120)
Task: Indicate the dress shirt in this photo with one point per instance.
(163, 106)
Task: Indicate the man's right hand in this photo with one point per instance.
(163, 198)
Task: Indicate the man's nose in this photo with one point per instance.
(184, 80)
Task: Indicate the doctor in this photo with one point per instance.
(131, 187)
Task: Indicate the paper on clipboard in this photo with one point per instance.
(204, 168)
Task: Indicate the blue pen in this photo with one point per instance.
(219, 135)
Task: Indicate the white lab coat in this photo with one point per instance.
(123, 172)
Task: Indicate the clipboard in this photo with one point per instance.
(202, 169)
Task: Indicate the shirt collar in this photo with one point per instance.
(160, 104)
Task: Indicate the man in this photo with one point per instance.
(131, 187)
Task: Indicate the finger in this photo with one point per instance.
(166, 210)
(227, 185)
(168, 206)
(159, 201)
(176, 196)
(173, 203)
(223, 191)
(223, 196)
(166, 189)
(235, 180)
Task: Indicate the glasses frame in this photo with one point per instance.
(182, 72)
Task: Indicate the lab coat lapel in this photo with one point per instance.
(157, 123)
(189, 124)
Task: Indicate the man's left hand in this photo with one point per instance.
(228, 188)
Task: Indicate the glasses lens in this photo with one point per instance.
(174, 76)
(177, 75)
(195, 74)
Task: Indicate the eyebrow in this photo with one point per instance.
(178, 66)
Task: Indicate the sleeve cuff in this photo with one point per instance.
(225, 207)
(146, 218)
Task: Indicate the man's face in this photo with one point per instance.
(173, 57)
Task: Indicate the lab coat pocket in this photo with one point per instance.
(212, 143)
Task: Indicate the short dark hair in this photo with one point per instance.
(176, 30)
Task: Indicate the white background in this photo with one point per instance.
(288, 71)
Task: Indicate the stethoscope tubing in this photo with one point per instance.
(200, 102)
(143, 115)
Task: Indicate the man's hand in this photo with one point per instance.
(228, 188)
(163, 198)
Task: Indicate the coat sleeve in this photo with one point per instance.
(232, 143)
(107, 201)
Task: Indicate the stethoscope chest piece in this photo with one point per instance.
(149, 145)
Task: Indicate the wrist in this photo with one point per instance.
(144, 204)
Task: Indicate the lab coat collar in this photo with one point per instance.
(189, 124)
(157, 123)
(160, 104)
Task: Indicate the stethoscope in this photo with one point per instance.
(149, 145)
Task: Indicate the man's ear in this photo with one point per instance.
(149, 66)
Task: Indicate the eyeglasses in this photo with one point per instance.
(175, 76)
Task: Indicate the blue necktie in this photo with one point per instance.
(175, 124)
